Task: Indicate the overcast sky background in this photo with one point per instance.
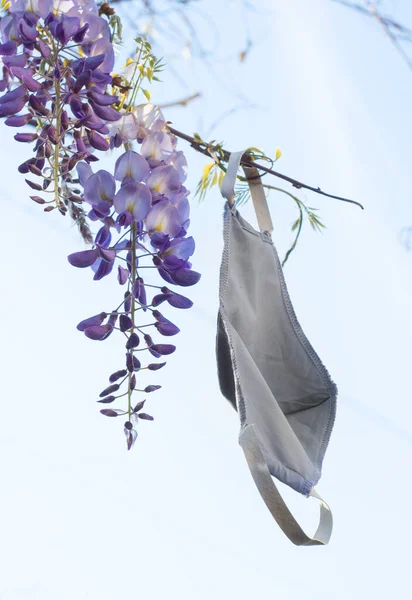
(179, 516)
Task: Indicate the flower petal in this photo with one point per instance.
(164, 217)
(163, 349)
(131, 164)
(98, 332)
(182, 248)
(166, 328)
(179, 301)
(97, 141)
(117, 375)
(83, 259)
(164, 181)
(91, 321)
(99, 187)
(122, 275)
(125, 323)
(157, 147)
(185, 277)
(134, 198)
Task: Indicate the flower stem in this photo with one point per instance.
(133, 240)
(56, 157)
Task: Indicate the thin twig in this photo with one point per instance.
(374, 13)
(395, 31)
(206, 149)
(183, 102)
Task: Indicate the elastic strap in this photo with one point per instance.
(257, 191)
(274, 501)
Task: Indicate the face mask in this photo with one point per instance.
(267, 368)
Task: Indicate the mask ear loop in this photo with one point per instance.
(248, 438)
(250, 445)
(257, 191)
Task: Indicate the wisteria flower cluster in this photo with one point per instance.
(62, 63)
(57, 65)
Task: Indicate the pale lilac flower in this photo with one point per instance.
(131, 165)
(179, 162)
(164, 181)
(182, 248)
(157, 148)
(134, 198)
(164, 218)
(99, 191)
(149, 118)
(123, 130)
(84, 171)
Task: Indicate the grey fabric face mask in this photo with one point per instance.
(267, 368)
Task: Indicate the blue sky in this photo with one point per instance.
(179, 517)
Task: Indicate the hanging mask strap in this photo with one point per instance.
(264, 482)
(257, 191)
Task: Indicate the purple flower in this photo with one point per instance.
(66, 29)
(179, 162)
(134, 198)
(156, 148)
(103, 47)
(102, 268)
(98, 332)
(123, 130)
(105, 112)
(83, 259)
(8, 48)
(101, 99)
(92, 321)
(152, 388)
(131, 165)
(163, 325)
(149, 119)
(117, 375)
(125, 323)
(131, 437)
(25, 137)
(181, 202)
(164, 181)
(84, 171)
(27, 33)
(18, 121)
(12, 107)
(132, 363)
(182, 248)
(167, 329)
(155, 366)
(109, 390)
(26, 76)
(107, 400)
(185, 277)
(107, 412)
(176, 300)
(123, 275)
(133, 341)
(97, 141)
(103, 239)
(145, 417)
(163, 349)
(99, 191)
(158, 299)
(44, 49)
(163, 217)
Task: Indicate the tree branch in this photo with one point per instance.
(206, 149)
